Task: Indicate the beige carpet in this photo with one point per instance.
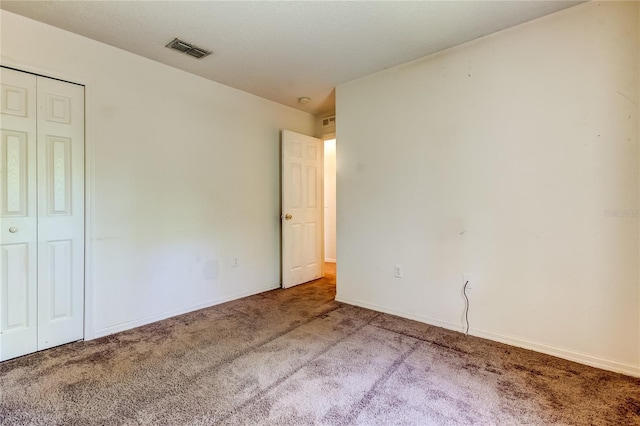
(296, 357)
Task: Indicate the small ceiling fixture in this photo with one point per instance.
(304, 100)
(188, 48)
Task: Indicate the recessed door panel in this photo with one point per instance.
(14, 98)
(18, 300)
(58, 108)
(295, 149)
(59, 175)
(60, 279)
(295, 186)
(297, 239)
(15, 287)
(312, 152)
(312, 187)
(13, 155)
(311, 249)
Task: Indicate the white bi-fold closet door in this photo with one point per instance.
(41, 213)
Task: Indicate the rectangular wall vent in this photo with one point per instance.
(329, 121)
(188, 48)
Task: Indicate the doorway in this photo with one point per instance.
(308, 208)
(330, 233)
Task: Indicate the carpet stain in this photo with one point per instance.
(630, 408)
(92, 358)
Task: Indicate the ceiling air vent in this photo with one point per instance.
(329, 121)
(188, 48)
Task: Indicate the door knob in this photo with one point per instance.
(13, 229)
(288, 216)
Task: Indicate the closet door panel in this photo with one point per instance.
(18, 214)
(60, 212)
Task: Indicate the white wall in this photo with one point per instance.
(183, 177)
(500, 158)
(330, 200)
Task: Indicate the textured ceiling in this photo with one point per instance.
(284, 50)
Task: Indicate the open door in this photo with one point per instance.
(302, 208)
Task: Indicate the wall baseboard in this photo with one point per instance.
(159, 317)
(326, 259)
(593, 361)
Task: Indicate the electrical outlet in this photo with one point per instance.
(397, 271)
(235, 263)
(468, 278)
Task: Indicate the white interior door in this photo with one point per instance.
(18, 220)
(60, 212)
(302, 193)
(41, 213)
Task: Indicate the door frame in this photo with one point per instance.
(88, 328)
(324, 138)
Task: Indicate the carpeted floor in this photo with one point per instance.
(297, 357)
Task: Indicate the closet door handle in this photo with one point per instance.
(13, 229)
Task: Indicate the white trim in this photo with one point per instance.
(159, 317)
(44, 72)
(324, 138)
(593, 361)
(89, 216)
(327, 136)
